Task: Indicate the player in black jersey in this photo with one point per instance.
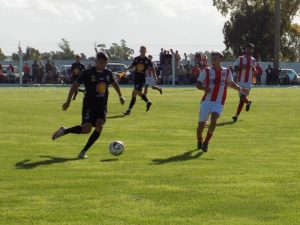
(76, 69)
(96, 81)
(140, 65)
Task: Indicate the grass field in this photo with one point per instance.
(251, 174)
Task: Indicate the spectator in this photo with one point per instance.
(48, 70)
(204, 60)
(26, 71)
(162, 56)
(35, 71)
(195, 72)
(11, 73)
(269, 72)
(166, 69)
(286, 79)
(259, 72)
(41, 73)
(1, 68)
(89, 66)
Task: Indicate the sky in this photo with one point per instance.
(185, 25)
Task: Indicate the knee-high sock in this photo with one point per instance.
(132, 102)
(246, 100)
(95, 135)
(144, 97)
(208, 137)
(74, 130)
(240, 107)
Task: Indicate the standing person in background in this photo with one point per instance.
(76, 69)
(196, 72)
(26, 71)
(35, 71)
(245, 67)
(41, 72)
(269, 72)
(166, 72)
(259, 73)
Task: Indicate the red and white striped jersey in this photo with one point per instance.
(245, 75)
(217, 81)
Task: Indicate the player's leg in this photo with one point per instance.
(145, 99)
(94, 136)
(146, 89)
(212, 126)
(204, 112)
(200, 128)
(156, 87)
(132, 102)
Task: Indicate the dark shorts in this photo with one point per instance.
(73, 78)
(92, 112)
(139, 86)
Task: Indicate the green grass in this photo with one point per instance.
(251, 174)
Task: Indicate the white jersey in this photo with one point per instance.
(217, 81)
(245, 75)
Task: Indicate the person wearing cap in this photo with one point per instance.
(214, 82)
(245, 66)
(96, 81)
(76, 70)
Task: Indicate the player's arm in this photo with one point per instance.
(118, 90)
(72, 90)
(235, 86)
(133, 64)
(200, 82)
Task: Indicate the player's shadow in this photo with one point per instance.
(26, 164)
(115, 117)
(223, 124)
(179, 158)
(108, 160)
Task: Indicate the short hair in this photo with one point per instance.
(102, 55)
(143, 47)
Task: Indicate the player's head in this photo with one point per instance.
(143, 50)
(101, 61)
(150, 57)
(216, 58)
(77, 57)
(249, 49)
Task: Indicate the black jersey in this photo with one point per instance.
(77, 69)
(96, 85)
(141, 65)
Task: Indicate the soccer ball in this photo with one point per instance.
(116, 148)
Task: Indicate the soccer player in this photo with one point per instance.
(213, 81)
(151, 78)
(245, 66)
(96, 81)
(76, 70)
(140, 65)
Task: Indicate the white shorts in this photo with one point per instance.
(150, 81)
(207, 107)
(244, 85)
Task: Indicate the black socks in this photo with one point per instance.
(95, 135)
(74, 130)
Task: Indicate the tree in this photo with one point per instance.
(2, 56)
(118, 52)
(66, 51)
(83, 56)
(32, 54)
(253, 21)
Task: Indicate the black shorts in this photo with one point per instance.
(92, 112)
(139, 86)
(73, 78)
